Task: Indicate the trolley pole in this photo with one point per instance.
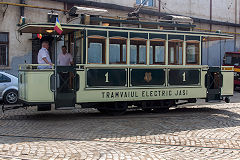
(220, 52)
(159, 8)
(55, 66)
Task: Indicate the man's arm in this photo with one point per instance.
(71, 60)
(45, 59)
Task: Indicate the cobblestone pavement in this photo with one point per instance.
(202, 131)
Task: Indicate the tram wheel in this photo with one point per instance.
(160, 110)
(116, 112)
(114, 109)
(147, 110)
(104, 111)
(44, 107)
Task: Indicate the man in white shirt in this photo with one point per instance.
(43, 56)
(64, 58)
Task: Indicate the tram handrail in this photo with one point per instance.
(33, 66)
(81, 66)
(138, 66)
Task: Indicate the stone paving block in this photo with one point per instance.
(208, 131)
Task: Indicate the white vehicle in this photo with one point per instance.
(8, 88)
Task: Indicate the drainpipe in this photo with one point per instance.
(235, 29)
(22, 8)
(159, 8)
(210, 15)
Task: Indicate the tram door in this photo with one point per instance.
(65, 96)
(214, 81)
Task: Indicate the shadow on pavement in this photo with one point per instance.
(87, 126)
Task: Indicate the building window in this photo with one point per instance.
(96, 50)
(157, 52)
(117, 51)
(192, 50)
(175, 52)
(148, 3)
(138, 51)
(4, 47)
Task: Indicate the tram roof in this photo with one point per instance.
(44, 28)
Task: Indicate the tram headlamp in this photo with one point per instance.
(105, 24)
(49, 31)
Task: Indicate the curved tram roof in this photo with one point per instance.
(42, 28)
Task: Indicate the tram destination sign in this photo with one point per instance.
(106, 77)
(184, 77)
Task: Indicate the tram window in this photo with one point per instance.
(157, 52)
(192, 51)
(96, 50)
(117, 51)
(78, 51)
(175, 52)
(138, 52)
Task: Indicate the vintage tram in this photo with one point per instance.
(118, 65)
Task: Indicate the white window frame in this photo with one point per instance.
(147, 3)
(7, 48)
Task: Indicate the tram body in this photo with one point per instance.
(119, 67)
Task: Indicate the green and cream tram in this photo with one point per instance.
(117, 67)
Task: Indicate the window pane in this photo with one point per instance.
(228, 60)
(95, 53)
(124, 53)
(175, 52)
(151, 55)
(147, 3)
(78, 51)
(172, 55)
(96, 50)
(157, 52)
(142, 54)
(3, 54)
(117, 51)
(138, 52)
(150, 3)
(4, 79)
(4, 37)
(180, 55)
(159, 55)
(133, 55)
(114, 53)
(192, 53)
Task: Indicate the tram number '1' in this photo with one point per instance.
(106, 75)
(184, 77)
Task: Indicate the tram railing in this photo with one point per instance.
(35, 66)
(82, 66)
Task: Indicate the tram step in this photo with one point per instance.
(65, 108)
